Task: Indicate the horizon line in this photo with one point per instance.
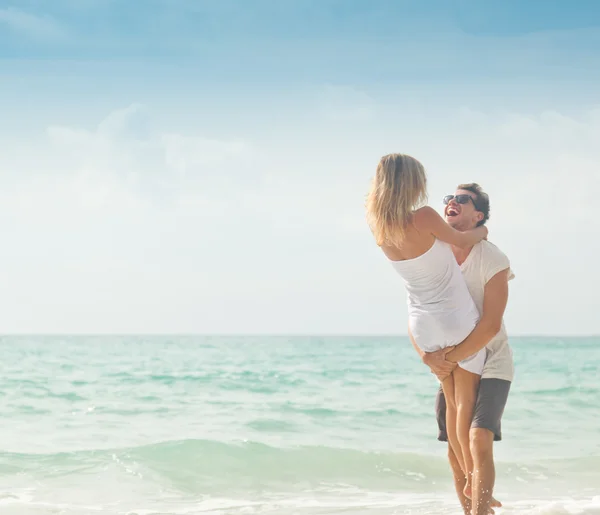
(277, 335)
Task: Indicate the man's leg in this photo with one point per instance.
(486, 427)
(484, 472)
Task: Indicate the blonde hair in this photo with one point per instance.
(398, 188)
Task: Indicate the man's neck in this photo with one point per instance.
(461, 254)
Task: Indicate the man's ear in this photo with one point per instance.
(479, 216)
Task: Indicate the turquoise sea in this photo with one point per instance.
(278, 425)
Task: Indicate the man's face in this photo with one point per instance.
(462, 216)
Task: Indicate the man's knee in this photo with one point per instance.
(481, 443)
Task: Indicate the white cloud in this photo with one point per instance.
(127, 153)
(42, 27)
(531, 161)
(122, 122)
(184, 153)
(228, 235)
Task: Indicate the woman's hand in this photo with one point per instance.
(438, 364)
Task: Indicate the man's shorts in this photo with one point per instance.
(489, 407)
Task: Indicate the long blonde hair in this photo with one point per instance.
(398, 188)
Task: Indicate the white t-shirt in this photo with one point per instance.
(483, 262)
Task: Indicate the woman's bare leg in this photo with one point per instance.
(466, 385)
(451, 419)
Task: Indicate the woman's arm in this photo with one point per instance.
(427, 219)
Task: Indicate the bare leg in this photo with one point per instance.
(466, 385)
(460, 481)
(451, 425)
(484, 473)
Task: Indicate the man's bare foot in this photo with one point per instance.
(493, 504)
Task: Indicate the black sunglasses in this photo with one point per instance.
(463, 198)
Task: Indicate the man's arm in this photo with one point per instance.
(495, 298)
(441, 367)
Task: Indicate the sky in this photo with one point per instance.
(181, 166)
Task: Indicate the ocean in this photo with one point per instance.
(278, 425)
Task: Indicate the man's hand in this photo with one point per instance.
(438, 364)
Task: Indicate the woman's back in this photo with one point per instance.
(440, 308)
(433, 279)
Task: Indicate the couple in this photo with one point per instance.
(457, 284)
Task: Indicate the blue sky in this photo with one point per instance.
(190, 166)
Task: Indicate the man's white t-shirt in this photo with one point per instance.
(483, 262)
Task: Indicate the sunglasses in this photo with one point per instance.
(463, 198)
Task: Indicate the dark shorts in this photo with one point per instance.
(489, 407)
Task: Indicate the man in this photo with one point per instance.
(487, 272)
